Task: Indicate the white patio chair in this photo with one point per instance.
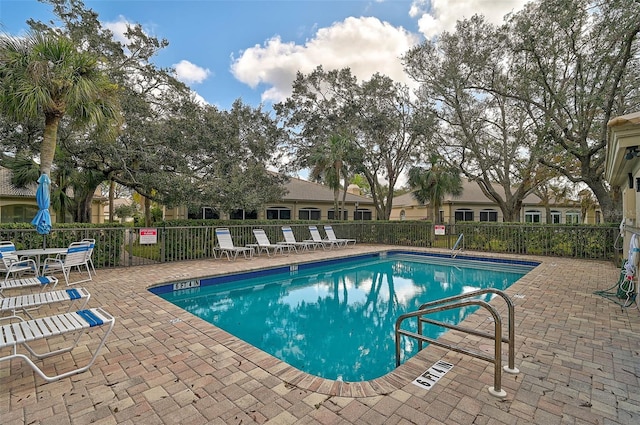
(92, 245)
(11, 265)
(28, 282)
(22, 333)
(225, 245)
(332, 237)
(290, 239)
(26, 303)
(76, 256)
(265, 245)
(315, 237)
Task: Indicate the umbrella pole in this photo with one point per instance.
(44, 241)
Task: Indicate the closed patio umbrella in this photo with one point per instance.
(42, 220)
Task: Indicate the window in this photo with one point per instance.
(556, 217)
(332, 216)
(18, 213)
(205, 213)
(309, 214)
(278, 213)
(488, 215)
(598, 217)
(243, 215)
(361, 214)
(532, 216)
(572, 217)
(463, 214)
(403, 215)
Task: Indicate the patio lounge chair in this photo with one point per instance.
(76, 256)
(13, 266)
(28, 302)
(290, 239)
(265, 245)
(92, 244)
(315, 237)
(332, 237)
(225, 245)
(22, 333)
(28, 282)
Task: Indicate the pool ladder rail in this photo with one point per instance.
(458, 246)
(460, 301)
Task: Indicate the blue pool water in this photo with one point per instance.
(335, 319)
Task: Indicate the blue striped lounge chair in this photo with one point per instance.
(24, 304)
(46, 282)
(22, 334)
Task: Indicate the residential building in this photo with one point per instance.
(18, 205)
(305, 200)
(473, 205)
(623, 168)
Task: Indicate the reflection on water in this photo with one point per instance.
(337, 322)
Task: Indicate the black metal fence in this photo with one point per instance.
(117, 247)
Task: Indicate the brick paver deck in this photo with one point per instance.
(578, 355)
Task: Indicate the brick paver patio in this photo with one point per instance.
(578, 355)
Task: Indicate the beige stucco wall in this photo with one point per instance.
(177, 213)
(8, 201)
(624, 137)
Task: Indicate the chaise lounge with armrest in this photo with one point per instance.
(53, 328)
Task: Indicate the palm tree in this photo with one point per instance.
(329, 165)
(432, 184)
(44, 75)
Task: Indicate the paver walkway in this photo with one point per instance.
(578, 353)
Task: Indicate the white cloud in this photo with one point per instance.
(443, 14)
(185, 71)
(118, 28)
(190, 73)
(366, 45)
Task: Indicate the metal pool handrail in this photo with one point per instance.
(460, 240)
(460, 301)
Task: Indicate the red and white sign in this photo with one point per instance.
(439, 229)
(148, 236)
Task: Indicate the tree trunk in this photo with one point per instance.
(112, 190)
(147, 211)
(344, 195)
(610, 202)
(82, 209)
(49, 140)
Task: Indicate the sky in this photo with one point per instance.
(252, 49)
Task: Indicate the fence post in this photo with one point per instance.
(163, 250)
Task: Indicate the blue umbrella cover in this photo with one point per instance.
(42, 220)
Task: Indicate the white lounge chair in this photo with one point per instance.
(332, 237)
(76, 256)
(265, 245)
(21, 334)
(28, 302)
(92, 245)
(290, 239)
(315, 237)
(225, 245)
(13, 266)
(28, 282)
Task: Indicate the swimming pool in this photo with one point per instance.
(335, 318)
